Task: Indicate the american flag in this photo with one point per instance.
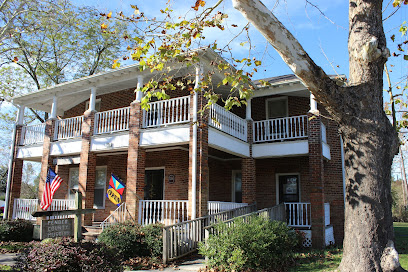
(51, 185)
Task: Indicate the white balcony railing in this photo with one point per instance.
(112, 121)
(23, 208)
(166, 112)
(162, 211)
(33, 134)
(228, 122)
(280, 129)
(219, 206)
(68, 128)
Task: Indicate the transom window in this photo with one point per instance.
(276, 107)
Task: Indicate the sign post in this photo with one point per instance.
(78, 212)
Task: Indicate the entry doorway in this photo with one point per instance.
(154, 184)
(288, 188)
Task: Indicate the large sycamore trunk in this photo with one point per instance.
(370, 142)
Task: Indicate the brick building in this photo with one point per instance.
(177, 163)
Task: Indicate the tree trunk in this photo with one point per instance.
(369, 139)
(369, 150)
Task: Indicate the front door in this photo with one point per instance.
(154, 180)
(288, 188)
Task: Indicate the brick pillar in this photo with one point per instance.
(16, 175)
(87, 166)
(136, 162)
(249, 171)
(202, 189)
(316, 174)
(46, 160)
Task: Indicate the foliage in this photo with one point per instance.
(313, 260)
(66, 255)
(144, 263)
(153, 237)
(259, 245)
(132, 240)
(16, 230)
(15, 247)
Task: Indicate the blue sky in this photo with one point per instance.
(324, 39)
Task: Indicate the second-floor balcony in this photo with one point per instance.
(168, 122)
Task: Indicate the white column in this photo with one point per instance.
(248, 109)
(139, 93)
(20, 115)
(92, 99)
(313, 103)
(54, 107)
(194, 155)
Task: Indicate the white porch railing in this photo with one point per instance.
(298, 214)
(280, 129)
(228, 122)
(162, 211)
(68, 128)
(23, 208)
(166, 112)
(112, 121)
(33, 134)
(117, 216)
(219, 206)
(182, 238)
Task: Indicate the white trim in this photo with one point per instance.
(104, 188)
(164, 178)
(277, 175)
(234, 172)
(276, 99)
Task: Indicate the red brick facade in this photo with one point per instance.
(320, 179)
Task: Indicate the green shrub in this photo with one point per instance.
(132, 240)
(153, 237)
(16, 230)
(258, 245)
(400, 214)
(66, 255)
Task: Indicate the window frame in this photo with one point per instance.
(233, 191)
(285, 98)
(277, 175)
(104, 187)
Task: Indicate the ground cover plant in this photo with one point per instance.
(256, 245)
(67, 255)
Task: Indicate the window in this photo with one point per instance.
(276, 107)
(97, 105)
(73, 181)
(237, 186)
(288, 188)
(100, 185)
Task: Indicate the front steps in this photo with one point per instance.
(90, 233)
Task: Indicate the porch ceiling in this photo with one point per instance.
(74, 92)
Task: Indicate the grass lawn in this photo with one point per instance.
(329, 259)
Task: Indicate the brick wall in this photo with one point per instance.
(296, 106)
(266, 170)
(220, 188)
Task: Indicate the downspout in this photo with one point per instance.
(194, 158)
(343, 170)
(19, 120)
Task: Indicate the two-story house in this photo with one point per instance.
(178, 164)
